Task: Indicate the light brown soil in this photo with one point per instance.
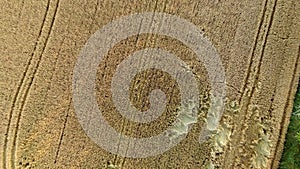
(258, 43)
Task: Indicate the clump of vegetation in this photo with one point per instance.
(298, 136)
(291, 155)
(186, 116)
(262, 151)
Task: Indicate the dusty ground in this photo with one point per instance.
(258, 42)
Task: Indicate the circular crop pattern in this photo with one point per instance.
(84, 94)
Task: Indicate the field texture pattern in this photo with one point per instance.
(258, 42)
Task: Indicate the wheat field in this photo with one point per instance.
(258, 45)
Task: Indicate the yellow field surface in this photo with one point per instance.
(257, 41)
